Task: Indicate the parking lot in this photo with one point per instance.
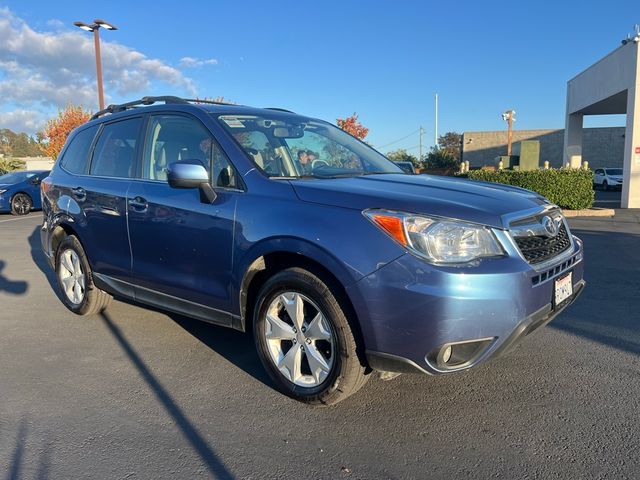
(138, 393)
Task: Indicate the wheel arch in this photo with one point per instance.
(268, 263)
(62, 227)
(18, 193)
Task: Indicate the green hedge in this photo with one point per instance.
(567, 188)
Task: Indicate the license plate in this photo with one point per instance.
(563, 289)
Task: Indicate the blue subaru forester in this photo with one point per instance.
(285, 226)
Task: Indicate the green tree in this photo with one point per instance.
(18, 144)
(401, 155)
(451, 144)
(439, 158)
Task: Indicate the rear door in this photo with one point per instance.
(103, 197)
(181, 246)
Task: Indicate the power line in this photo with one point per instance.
(399, 140)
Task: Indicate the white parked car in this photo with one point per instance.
(607, 178)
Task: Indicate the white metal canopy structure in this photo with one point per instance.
(609, 86)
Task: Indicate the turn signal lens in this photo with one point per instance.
(392, 225)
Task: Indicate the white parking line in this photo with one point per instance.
(21, 218)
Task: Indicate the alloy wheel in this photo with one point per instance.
(72, 276)
(300, 339)
(21, 205)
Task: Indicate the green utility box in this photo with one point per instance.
(528, 152)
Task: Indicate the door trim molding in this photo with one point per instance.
(164, 301)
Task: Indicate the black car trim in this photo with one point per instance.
(164, 301)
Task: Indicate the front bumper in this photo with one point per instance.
(410, 310)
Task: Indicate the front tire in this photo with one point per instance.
(304, 339)
(21, 204)
(605, 186)
(75, 281)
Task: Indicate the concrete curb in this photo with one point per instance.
(590, 212)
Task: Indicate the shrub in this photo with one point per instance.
(11, 164)
(439, 158)
(567, 188)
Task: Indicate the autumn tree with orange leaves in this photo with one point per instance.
(57, 129)
(353, 126)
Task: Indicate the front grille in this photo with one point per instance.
(536, 249)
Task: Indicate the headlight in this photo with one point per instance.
(438, 240)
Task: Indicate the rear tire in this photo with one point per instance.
(21, 204)
(75, 280)
(316, 337)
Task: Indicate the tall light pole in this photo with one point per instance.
(435, 130)
(509, 116)
(95, 28)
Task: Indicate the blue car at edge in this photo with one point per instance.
(20, 191)
(287, 228)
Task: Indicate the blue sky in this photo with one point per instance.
(381, 59)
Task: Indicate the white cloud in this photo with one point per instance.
(192, 62)
(42, 71)
(29, 121)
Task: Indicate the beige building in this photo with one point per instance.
(609, 86)
(601, 147)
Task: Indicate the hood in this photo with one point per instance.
(472, 201)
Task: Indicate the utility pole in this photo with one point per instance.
(435, 131)
(421, 133)
(509, 116)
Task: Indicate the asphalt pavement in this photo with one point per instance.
(138, 393)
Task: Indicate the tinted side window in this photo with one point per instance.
(77, 154)
(172, 138)
(114, 155)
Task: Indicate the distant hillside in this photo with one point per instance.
(14, 144)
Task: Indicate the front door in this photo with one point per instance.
(182, 247)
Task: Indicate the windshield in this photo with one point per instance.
(287, 146)
(15, 177)
(614, 171)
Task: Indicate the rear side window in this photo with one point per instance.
(77, 154)
(114, 155)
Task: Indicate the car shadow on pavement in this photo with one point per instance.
(15, 287)
(236, 347)
(215, 466)
(607, 310)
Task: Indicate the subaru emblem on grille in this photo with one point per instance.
(550, 226)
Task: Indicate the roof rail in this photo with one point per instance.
(167, 99)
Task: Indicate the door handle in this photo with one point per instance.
(138, 204)
(79, 193)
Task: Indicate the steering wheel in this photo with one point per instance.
(318, 163)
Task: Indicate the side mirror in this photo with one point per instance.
(191, 174)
